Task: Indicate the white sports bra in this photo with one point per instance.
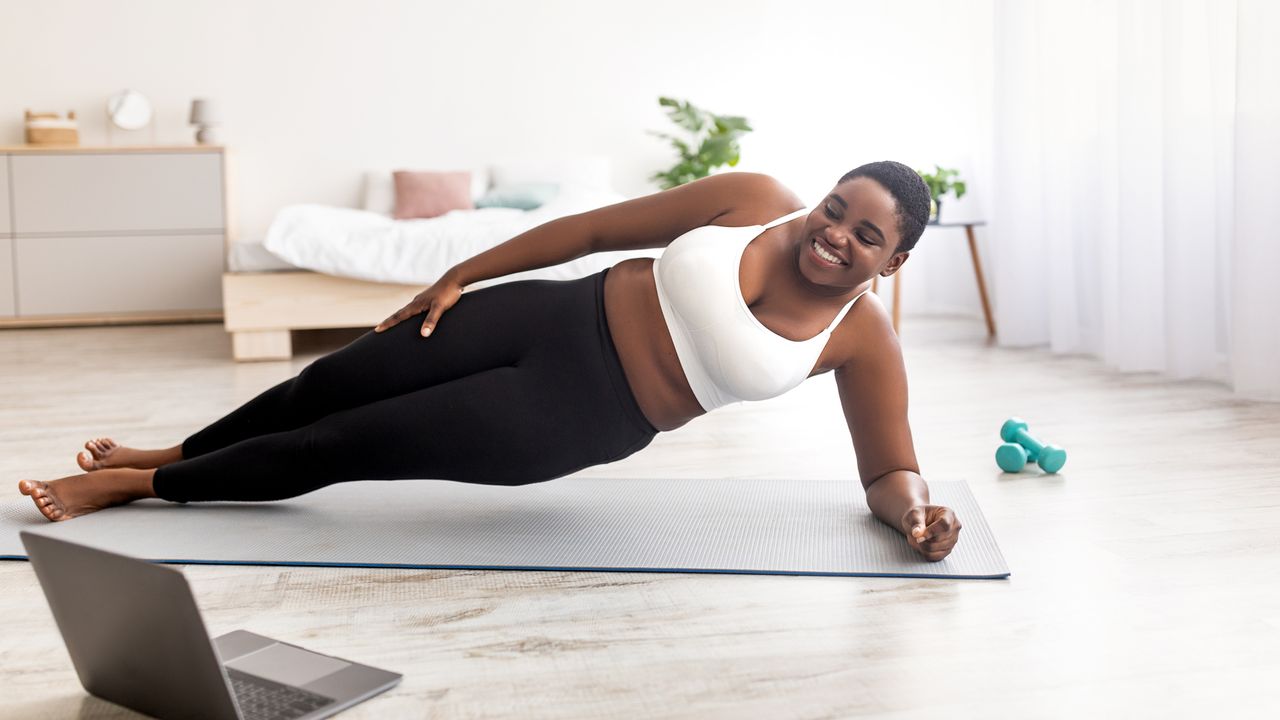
(727, 354)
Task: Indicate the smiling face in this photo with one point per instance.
(857, 224)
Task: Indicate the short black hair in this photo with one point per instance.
(909, 192)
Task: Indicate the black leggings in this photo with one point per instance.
(519, 383)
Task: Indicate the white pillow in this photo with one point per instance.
(373, 246)
(380, 187)
(586, 171)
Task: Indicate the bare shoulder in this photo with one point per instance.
(865, 337)
(653, 221)
(769, 187)
(761, 198)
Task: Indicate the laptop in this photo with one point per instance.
(136, 638)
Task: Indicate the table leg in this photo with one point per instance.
(875, 288)
(897, 298)
(982, 286)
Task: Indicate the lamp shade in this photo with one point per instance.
(204, 112)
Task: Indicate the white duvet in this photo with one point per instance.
(373, 246)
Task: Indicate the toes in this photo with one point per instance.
(98, 449)
(85, 461)
(45, 502)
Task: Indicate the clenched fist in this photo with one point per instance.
(932, 530)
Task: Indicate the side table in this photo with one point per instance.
(977, 272)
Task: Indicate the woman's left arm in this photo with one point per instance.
(873, 393)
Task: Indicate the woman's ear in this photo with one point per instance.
(895, 262)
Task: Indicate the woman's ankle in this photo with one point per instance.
(168, 455)
(135, 483)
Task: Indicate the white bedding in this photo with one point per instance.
(373, 246)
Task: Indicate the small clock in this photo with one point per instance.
(129, 110)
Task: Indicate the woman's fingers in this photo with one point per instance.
(932, 530)
(939, 538)
(936, 544)
(914, 521)
(434, 301)
(946, 526)
(428, 324)
(401, 314)
(389, 322)
(439, 304)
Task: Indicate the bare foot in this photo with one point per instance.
(77, 495)
(105, 453)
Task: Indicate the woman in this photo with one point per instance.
(531, 380)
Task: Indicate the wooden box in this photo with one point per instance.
(49, 129)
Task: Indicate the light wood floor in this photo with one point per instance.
(1146, 577)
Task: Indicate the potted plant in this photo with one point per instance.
(941, 181)
(712, 141)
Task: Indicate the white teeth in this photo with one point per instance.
(826, 255)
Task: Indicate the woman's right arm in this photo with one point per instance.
(651, 221)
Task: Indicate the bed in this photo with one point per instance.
(321, 266)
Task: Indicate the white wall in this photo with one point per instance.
(315, 92)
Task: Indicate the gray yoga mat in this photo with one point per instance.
(784, 527)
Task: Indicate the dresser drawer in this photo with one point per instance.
(6, 277)
(108, 193)
(100, 275)
(4, 196)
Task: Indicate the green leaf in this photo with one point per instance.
(713, 141)
(716, 150)
(688, 117)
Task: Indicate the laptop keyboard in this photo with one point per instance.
(262, 699)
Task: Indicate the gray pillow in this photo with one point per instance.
(520, 195)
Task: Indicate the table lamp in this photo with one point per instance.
(204, 113)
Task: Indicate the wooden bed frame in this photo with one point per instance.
(260, 308)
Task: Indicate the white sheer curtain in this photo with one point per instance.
(1135, 207)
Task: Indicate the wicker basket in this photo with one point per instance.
(50, 129)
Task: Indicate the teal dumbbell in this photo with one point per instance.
(1012, 457)
(1020, 447)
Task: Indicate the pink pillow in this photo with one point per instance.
(422, 194)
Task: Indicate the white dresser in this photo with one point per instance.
(112, 235)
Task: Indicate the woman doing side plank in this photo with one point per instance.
(531, 380)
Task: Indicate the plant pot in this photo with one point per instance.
(937, 211)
